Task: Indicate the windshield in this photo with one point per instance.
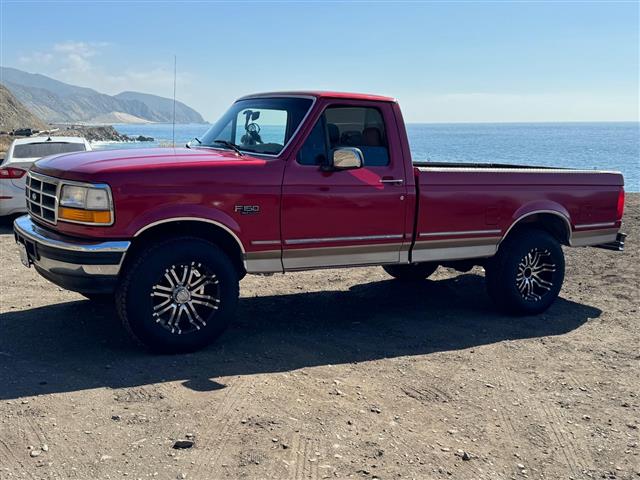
(258, 125)
(39, 150)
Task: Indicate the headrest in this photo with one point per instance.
(372, 137)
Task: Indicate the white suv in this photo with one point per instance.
(22, 153)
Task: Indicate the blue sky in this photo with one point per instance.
(445, 61)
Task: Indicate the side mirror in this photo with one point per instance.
(346, 158)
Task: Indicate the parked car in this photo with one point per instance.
(22, 153)
(296, 181)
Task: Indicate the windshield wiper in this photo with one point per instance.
(231, 145)
(196, 139)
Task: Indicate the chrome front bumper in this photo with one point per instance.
(75, 264)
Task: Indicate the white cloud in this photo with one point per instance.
(80, 63)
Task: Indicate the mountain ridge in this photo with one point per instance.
(59, 102)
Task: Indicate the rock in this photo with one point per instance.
(520, 466)
(182, 444)
(274, 440)
(376, 410)
(35, 453)
(105, 458)
(284, 445)
(44, 448)
(586, 417)
(182, 476)
(142, 138)
(189, 435)
(488, 385)
(116, 418)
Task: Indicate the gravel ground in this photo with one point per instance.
(332, 374)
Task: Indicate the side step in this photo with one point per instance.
(617, 245)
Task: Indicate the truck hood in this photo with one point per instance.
(91, 165)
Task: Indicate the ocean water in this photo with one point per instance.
(602, 146)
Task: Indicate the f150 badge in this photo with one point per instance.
(247, 209)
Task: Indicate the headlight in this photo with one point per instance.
(86, 204)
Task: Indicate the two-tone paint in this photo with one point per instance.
(285, 216)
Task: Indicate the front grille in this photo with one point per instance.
(41, 194)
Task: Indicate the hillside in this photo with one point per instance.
(162, 106)
(60, 102)
(117, 117)
(14, 115)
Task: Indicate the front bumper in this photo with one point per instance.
(74, 264)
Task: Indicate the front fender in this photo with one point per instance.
(170, 213)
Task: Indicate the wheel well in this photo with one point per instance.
(555, 224)
(193, 228)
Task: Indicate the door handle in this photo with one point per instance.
(394, 181)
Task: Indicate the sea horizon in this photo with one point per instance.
(608, 145)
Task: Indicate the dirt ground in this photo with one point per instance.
(332, 374)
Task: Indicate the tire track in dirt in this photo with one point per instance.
(12, 458)
(228, 415)
(306, 461)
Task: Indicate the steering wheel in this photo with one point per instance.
(253, 128)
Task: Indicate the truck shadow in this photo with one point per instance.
(79, 345)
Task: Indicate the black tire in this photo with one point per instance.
(411, 272)
(142, 292)
(515, 287)
(102, 298)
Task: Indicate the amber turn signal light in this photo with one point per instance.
(88, 216)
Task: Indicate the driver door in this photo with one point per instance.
(351, 217)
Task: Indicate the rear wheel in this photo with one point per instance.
(178, 296)
(412, 271)
(526, 275)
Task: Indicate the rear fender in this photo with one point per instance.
(540, 207)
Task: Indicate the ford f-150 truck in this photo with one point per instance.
(294, 181)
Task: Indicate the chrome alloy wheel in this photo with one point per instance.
(185, 298)
(535, 274)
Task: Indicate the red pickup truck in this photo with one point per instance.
(294, 181)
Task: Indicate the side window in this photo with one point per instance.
(314, 150)
(361, 127)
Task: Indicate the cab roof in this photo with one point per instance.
(323, 94)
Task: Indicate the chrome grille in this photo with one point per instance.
(41, 194)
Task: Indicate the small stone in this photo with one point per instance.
(284, 445)
(274, 440)
(189, 435)
(35, 453)
(445, 449)
(488, 385)
(105, 458)
(632, 426)
(182, 476)
(520, 466)
(586, 417)
(182, 444)
(116, 418)
(44, 448)
(466, 456)
(376, 410)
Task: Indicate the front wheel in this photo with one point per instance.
(178, 296)
(411, 272)
(526, 275)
